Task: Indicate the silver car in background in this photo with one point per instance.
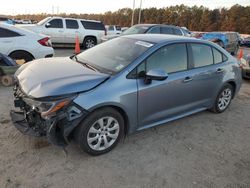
(122, 86)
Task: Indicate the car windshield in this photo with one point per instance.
(114, 55)
(43, 21)
(136, 30)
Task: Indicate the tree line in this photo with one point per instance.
(236, 18)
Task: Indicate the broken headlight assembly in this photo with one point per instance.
(50, 106)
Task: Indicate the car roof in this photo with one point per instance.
(162, 38)
(220, 32)
(151, 25)
(75, 19)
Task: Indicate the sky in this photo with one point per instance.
(14, 7)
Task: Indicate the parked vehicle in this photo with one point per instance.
(63, 31)
(23, 44)
(7, 69)
(150, 29)
(227, 40)
(113, 29)
(124, 29)
(26, 21)
(245, 65)
(122, 86)
(7, 20)
(246, 42)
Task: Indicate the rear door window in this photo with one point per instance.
(5, 33)
(155, 30)
(202, 55)
(93, 25)
(56, 23)
(166, 30)
(71, 24)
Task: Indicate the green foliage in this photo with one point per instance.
(237, 18)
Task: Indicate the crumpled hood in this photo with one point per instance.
(56, 76)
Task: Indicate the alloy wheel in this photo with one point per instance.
(224, 99)
(103, 133)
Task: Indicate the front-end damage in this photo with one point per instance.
(53, 117)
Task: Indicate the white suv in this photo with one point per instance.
(63, 31)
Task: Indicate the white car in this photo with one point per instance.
(63, 31)
(113, 29)
(23, 44)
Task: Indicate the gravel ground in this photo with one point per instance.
(203, 150)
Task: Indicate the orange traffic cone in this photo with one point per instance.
(240, 54)
(77, 46)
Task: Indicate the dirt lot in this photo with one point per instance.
(203, 150)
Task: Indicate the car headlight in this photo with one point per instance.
(48, 108)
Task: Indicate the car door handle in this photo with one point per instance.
(219, 70)
(60, 31)
(188, 79)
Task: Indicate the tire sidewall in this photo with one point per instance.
(84, 127)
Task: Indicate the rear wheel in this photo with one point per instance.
(223, 99)
(100, 132)
(89, 42)
(19, 55)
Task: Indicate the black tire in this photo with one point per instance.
(7, 80)
(18, 55)
(82, 134)
(89, 42)
(216, 108)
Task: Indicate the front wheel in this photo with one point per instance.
(223, 99)
(100, 132)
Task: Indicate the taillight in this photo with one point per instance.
(45, 42)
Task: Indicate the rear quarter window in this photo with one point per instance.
(93, 25)
(5, 33)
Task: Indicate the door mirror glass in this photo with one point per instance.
(47, 25)
(155, 74)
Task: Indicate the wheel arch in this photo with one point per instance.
(121, 111)
(233, 84)
(89, 36)
(25, 51)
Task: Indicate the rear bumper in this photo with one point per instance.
(246, 72)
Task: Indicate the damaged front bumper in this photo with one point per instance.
(56, 128)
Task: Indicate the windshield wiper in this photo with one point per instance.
(85, 64)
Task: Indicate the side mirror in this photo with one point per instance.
(47, 25)
(155, 74)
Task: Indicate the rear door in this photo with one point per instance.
(7, 40)
(71, 31)
(207, 73)
(55, 30)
